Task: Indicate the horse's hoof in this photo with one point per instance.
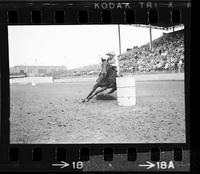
(84, 100)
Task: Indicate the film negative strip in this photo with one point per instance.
(54, 52)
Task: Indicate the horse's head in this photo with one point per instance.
(106, 72)
(104, 67)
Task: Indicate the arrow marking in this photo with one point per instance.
(148, 165)
(63, 165)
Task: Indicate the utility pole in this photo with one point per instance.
(117, 61)
(150, 34)
(119, 40)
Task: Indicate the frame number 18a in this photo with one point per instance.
(160, 165)
(165, 165)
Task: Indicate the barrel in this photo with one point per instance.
(126, 91)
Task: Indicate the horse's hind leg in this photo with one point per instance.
(112, 90)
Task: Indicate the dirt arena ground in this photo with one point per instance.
(52, 113)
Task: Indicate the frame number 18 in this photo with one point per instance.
(77, 165)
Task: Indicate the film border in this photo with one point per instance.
(71, 16)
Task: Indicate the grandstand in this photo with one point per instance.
(167, 55)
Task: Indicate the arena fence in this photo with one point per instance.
(32, 80)
(138, 77)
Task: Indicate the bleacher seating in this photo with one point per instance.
(167, 54)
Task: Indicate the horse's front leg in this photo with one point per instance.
(98, 91)
(92, 91)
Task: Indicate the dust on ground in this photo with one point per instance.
(53, 113)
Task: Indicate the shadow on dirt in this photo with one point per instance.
(105, 97)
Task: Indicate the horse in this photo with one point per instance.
(106, 80)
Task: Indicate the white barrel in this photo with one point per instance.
(126, 91)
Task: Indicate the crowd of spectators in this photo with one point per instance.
(167, 54)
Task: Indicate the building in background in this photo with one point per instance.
(34, 71)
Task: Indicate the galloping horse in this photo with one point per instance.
(106, 80)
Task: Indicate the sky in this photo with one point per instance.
(72, 45)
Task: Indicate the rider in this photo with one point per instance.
(112, 60)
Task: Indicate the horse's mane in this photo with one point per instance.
(110, 77)
(111, 72)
